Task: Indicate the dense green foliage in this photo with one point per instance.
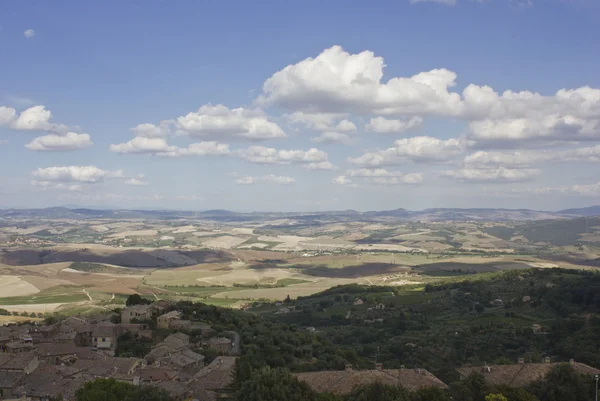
(129, 345)
(137, 299)
(274, 384)
(439, 329)
(561, 384)
(112, 390)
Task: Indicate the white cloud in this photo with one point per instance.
(339, 82)
(500, 174)
(7, 115)
(152, 131)
(322, 121)
(387, 126)
(71, 178)
(569, 114)
(333, 137)
(525, 158)
(325, 165)
(382, 176)
(264, 155)
(160, 147)
(221, 122)
(136, 181)
(269, 179)
(207, 148)
(419, 149)
(445, 2)
(86, 174)
(344, 181)
(55, 185)
(142, 145)
(35, 118)
(54, 142)
(29, 33)
(336, 83)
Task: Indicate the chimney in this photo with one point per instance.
(547, 359)
(378, 366)
(521, 360)
(348, 367)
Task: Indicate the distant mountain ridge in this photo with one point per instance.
(434, 214)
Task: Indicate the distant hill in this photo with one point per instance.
(584, 211)
(436, 214)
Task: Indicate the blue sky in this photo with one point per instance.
(384, 105)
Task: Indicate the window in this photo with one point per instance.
(103, 339)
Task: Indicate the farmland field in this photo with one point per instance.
(51, 261)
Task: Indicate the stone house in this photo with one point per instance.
(24, 362)
(136, 312)
(221, 344)
(104, 336)
(164, 321)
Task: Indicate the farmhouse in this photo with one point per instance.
(220, 344)
(520, 374)
(179, 324)
(104, 336)
(136, 312)
(164, 321)
(343, 381)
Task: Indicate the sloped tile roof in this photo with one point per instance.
(342, 381)
(520, 375)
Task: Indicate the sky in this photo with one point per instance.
(300, 106)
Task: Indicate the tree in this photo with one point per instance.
(137, 299)
(563, 383)
(472, 388)
(515, 394)
(378, 392)
(495, 397)
(430, 394)
(112, 390)
(274, 384)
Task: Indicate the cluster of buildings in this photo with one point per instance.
(521, 374)
(41, 363)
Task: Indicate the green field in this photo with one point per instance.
(291, 281)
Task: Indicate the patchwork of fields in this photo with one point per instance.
(90, 264)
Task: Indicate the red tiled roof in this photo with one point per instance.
(520, 375)
(342, 382)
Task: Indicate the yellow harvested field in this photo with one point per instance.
(100, 228)
(223, 242)
(293, 291)
(249, 276)
(14, 286)
(245, 231)
(43, 283)
(183, 229)
(181, 276)
(37, 308)
(388, 247)
(4, 320)
(137, 233)
(25, 231)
